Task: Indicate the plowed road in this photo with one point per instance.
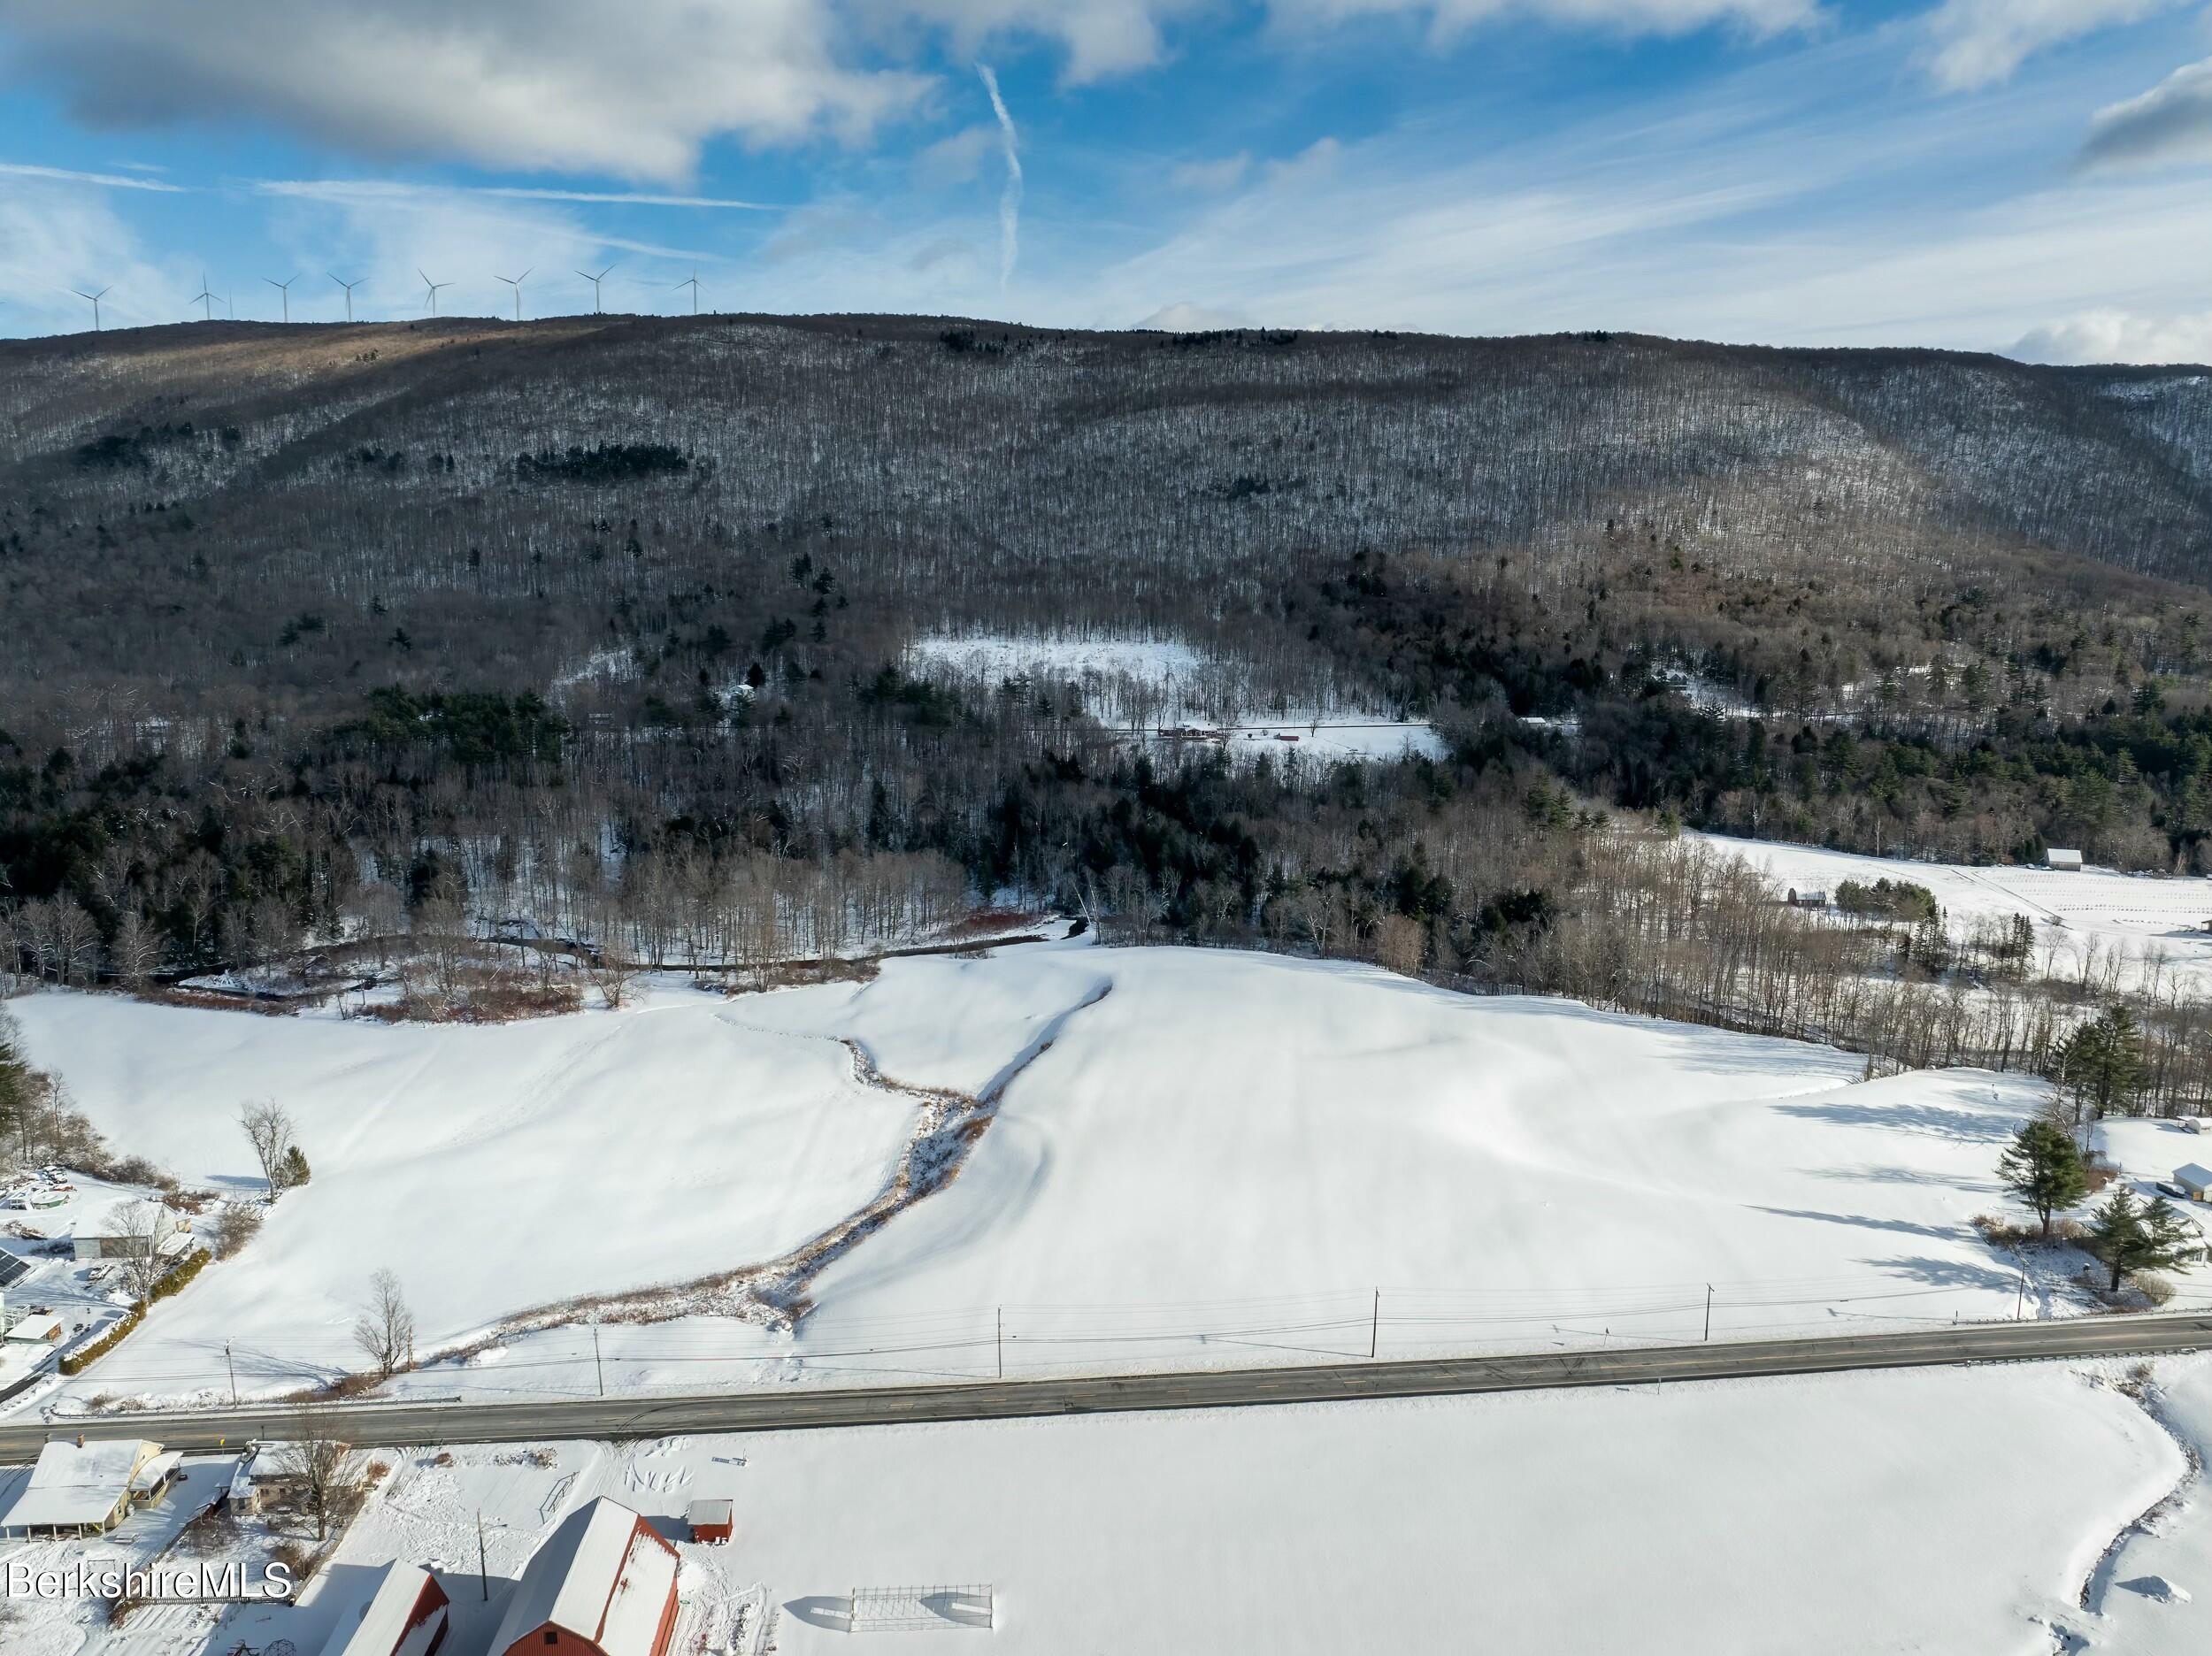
(787, 1408)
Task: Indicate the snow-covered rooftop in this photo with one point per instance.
(601, 1577)
(80, 1484)
(384, 1619)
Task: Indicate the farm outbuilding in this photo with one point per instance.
(405, 1616)
(1806, 897)
(603, 1585)
(711, 1521)
(2195, 1180)
(87, 1487)
(2069, 861)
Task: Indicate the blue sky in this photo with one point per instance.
(2020, 176)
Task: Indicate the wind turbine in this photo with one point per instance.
(434, 288)
(284, 287)
(693, 285)
(349, 286)
(204, 299)
(95, 299)
(516, 282)
(594, 282)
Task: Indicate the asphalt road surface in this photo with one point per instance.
(790, 1407)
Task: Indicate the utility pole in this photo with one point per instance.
(483, 1570)
(2020, 1299)
(234, 1374)
(1001, 1342)
(1374, 1326)
(1708, 1310)
(595, 1363)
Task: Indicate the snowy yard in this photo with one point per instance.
(1200, 1157)
(1895, 1511)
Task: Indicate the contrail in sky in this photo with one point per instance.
(1009, 201)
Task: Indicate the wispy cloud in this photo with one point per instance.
(105, 181)
(1009, 201)
(1979, 43)
(340, 189)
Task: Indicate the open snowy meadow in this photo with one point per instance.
(1183, 1157)
(2088, 922)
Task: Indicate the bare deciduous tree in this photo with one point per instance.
(323, 1471)
(141, 1229)
(385, 1332)
(268, 1128)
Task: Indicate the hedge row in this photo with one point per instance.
(175, 1282)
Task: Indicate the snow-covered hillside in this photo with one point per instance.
(1198, 1156)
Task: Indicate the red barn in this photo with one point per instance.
(405, 1617)
(603, 1585)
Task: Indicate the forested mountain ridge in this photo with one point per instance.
(229, 475)
(310, 624)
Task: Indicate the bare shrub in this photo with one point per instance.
(2155, 1288)
(229, 1231)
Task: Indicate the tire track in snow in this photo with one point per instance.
(778, 1292)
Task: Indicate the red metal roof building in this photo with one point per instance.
(603, 1585)
(406, 1616)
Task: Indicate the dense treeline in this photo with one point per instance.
(600, 627)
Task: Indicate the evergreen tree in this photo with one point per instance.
(294, 1171)
(2102, 1062)
(2043, 1169)
(2128, 1236)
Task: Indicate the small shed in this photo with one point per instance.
(2195, 1180)
(406, 1616)
(2069, 861)
(35, 1328)
(711, 1521)
(87, 1487)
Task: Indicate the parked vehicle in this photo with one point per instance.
(2167, 1187)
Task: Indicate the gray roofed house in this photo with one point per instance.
(89, 1486)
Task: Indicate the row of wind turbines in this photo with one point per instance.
(207, 299)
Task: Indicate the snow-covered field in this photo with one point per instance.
(1165, 685)
(2084, 921)
(1956, 1510)
(1200, 1157)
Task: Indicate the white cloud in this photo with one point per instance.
(1187, 317)
(56, 237)
(1978, 42)
(1210, 178)
(2172, 122)
(1100, 37)
(2118, 336)
(105, 181)
(956, 159)
(1448, 18)
(632, 89)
